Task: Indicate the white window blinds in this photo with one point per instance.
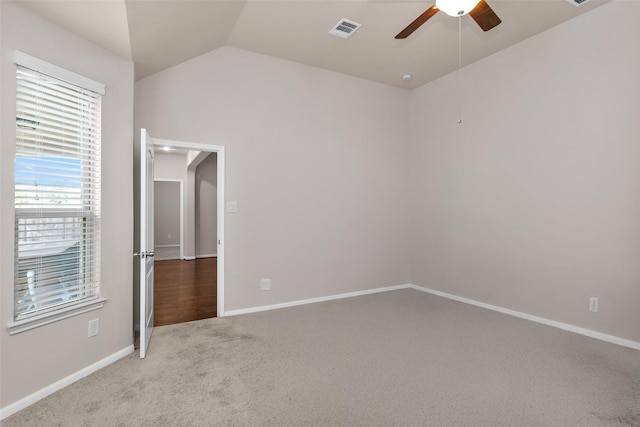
(57, 194)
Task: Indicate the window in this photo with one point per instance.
(57, 193)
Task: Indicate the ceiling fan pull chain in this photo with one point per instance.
(460, 70)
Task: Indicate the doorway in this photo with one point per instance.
(185, 234)
(168, 208)
(143, 294)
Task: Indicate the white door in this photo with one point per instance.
(146, 241)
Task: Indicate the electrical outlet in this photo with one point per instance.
(593, 304)
(232, 207)
(94, 327)
(265, 284)
(168, 236)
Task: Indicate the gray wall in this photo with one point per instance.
(166, 221)
(173, 166)
(321, 185)
(32, 360)
(206, 189)
(200, 197)
(170, 166)
(533, 202)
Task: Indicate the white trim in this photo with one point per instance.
(166, 246)
(44, 67)
(188, 258)
(220, 230)
(58, 385)
(314, 300)
(206, 256)
(182, 227)
(187, 145)
(564, 326)
(54, 316)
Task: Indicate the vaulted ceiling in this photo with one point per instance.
(158, 34)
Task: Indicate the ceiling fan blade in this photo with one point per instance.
(417, 22)
(484, 16)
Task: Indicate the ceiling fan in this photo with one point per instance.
(479, 10)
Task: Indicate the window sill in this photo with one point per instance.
(44, 319)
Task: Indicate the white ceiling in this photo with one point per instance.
(158, 34)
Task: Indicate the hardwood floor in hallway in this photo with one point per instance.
(184, 290)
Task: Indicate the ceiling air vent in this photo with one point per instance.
(577, 2)
(344, 28)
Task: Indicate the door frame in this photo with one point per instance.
(219, 150)
(181, 209)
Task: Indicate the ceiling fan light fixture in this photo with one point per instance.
(456, 7)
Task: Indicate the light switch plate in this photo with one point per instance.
(232, 207)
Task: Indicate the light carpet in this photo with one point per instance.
(401, 358)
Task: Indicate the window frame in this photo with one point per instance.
(63, 309)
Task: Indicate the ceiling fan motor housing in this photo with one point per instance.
(479, 10)
(456, 7)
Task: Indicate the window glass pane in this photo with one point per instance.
(49, 262)
(47, 182)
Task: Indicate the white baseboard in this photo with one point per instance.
(206, 256)
(565, 326)
(33, 398)
(313, 300)
(191, 258)
(50, 389)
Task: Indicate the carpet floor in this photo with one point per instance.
(401, 358)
